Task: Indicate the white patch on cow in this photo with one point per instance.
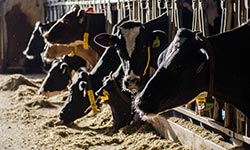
(30, 57)
(169, 58)
(172, 50)
(75, 77)
(130, 37)
(203, 51)
(132, 86)
(81, 85)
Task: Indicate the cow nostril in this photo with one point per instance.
(47, 55)
(126, 83)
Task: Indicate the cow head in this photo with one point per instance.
(72, 27)
(181, 75)
(60, 74)
(57, 79)
(36, 42)
(77, 103)
(118, 100)
(134, 44)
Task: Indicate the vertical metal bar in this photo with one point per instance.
(134, 10)
(141, 11)
(129, 10)
(247, 9)
(223, 16)
(148, 11)
(176, 14)
(153, 7)
(195, 15)
(118, 4)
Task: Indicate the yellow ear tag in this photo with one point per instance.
(156, 42)
(105, 96)
(92, 101)
(73, 52)
(81, 21)
(86, 40)
(201, 101)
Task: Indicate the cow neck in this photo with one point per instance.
(210, 51)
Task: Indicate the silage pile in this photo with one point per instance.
(26, 122)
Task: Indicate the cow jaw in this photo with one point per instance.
(59, 50)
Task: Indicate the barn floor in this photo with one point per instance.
(26, 123)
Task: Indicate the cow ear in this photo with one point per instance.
(75, 8)
(106, 40)
(81, 16)
(159, 38)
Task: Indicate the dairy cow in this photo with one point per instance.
(78, 100)
(60, 74)
(76, 105)
(74, 32)
(118, 99)
(216, 64)
(138, 46)
(34, 61)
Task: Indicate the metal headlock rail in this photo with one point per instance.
(233, 14)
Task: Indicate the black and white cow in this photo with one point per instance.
(194, 64)
(33, 52)
(119, 100)
(76, 104)
(138, 46)
(60, 74)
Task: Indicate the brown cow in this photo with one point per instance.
(74, 32)
(59, 50)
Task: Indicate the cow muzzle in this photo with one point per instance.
(131, 82)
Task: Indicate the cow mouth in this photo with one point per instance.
(50, 94)
(143, 115)
(147, 116)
